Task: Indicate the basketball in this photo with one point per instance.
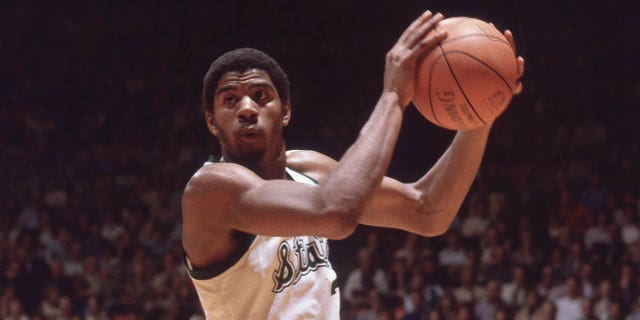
(469, 79)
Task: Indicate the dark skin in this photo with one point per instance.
(248, 191)
(241, 100)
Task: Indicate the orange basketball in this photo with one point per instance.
(469, 79)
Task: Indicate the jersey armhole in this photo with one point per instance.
(217, 268)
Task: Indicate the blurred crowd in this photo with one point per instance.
(102, 127)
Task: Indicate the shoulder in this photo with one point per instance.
(312, 163)
(213, 191)
(217, 181)
(207, 198)
(219, 173)
(307, 157)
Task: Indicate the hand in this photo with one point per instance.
(519, 60)
(415, 42)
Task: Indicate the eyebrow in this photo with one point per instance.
(251, 85)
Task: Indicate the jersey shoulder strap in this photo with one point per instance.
(298, 176)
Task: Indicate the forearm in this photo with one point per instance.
(362, 167)
(364, 164)
(445, 186)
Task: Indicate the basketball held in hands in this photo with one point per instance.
(469, 79)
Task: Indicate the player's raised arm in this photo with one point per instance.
(249, 196)
(425, 207)
(429, 205)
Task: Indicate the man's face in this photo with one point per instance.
(248, 115)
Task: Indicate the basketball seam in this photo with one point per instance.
(484, 64)
(492, 38)
(455, 78)
(433, 111)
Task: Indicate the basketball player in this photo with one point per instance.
(256, 220)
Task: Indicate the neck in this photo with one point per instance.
(269, 165)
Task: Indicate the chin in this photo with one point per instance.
(250, 154)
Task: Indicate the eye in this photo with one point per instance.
(260, 95)
(229, 99)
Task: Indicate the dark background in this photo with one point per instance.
(141, 62)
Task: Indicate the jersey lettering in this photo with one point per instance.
(309, 257)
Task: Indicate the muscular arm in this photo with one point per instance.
(425, 207)
(434, 200)
(429, 205)
(230, 196)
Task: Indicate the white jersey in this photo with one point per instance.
(275, 278)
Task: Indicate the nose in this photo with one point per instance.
(248, 111)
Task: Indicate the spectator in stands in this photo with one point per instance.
(476, 221)
(626, 285)
(569, 306)
(587, 310)
(433, 286)
(419, 310)
(94, 310)
(453, 255)
(527, 254)
(603, 301)
(532, 308)
(514, 293)
(574, 214)
(488, 307)
(365, 277)
(597, 237)
(16, 311)
(448, 307)
(585, 274)
(549, 287)
(499, 268)
(468, 291)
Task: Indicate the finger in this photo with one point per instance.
(428, 43)
(421, 19)
(520, 64)
(423, 30)
(509, 36)
(518, 89)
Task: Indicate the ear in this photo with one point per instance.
(211, 120)
(286, 113)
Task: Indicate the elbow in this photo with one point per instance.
(340, 214)
(442, 221)
(345, 230)
(436, 216)
(340, 235)
(342, 223)
(435, 231)
(435, 224)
